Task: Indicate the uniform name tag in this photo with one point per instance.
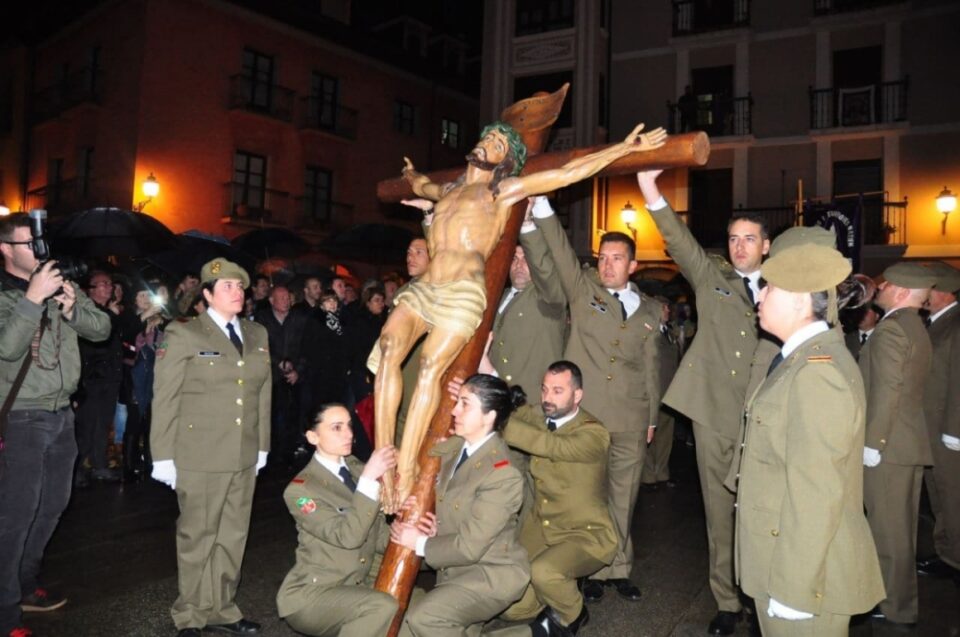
(208, 354)
(722, 291)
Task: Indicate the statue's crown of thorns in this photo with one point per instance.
(517, 148)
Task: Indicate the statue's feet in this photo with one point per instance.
(404, 488)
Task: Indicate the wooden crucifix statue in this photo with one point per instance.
(448, 300)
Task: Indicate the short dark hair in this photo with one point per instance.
(261, 277)
(320, 411)
(11, 222)
(567, 366)
(372, 291)
(496, 395)
(620, 237)
(752, 218)
(327, 295)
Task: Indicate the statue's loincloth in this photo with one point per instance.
(453, 307)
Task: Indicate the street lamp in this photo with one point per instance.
(4, 209)
(150, 188)
(946, 203)
(629, 216)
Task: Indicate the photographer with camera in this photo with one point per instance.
(41, 315)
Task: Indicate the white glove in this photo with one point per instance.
(776, 609)
(541, 207)
(261, 460)
(871, 457)
(951, 442)
(164, 471)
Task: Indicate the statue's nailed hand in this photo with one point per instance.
(645, 141)
(408, 172)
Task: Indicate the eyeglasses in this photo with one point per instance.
(17, 243)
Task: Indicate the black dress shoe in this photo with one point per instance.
(592, 591)
(724, 623)
(190, 632)
(242, 627)
(626, 588)
(555, 624)
(935, 567)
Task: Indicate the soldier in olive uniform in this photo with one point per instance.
(710, 385)
(210, 434)
(613, 339)
(804, 550)
(895, 363)
(335, 501)
(472, 539)
(656, 468)
(941, 406)
(568, 533)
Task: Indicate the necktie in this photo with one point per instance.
(863, 338)
(463, 458)
(746, 284)
(234, 338)
(928, 321)
(551, 424)
(773, 364)
(623, 309)
(348, 479)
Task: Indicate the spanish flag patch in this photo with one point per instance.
(502, 463)
(819, 359)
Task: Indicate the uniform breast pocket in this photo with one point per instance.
(763, 437)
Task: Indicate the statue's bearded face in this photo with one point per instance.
(490, 151)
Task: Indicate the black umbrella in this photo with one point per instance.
(379, 242)
(266, 243)
(193, 250)
(102, 232)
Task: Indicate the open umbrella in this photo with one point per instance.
(267, 243)
(192, 251)
(378, 242)
(103, 232)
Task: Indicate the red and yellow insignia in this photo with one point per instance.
(819, 359)
(306, 505)
(502, 463)
(215, 268)
(298, 480)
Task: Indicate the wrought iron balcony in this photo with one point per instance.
(272, 100)
(243, 201)
(872, 104)
(324, 115)
(717, 118)
(700, 16)
(82, 86)
(829, 7)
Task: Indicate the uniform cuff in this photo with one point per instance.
(659, 204)
(421, 548)
(541, 208)
(369, 488)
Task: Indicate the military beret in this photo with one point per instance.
(806, 268)
(948, 277)
(910, 275)
(803, 235)
(223, 269)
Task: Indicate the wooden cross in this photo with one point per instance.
(532, 118)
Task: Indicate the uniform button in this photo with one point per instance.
(363, 560)
(775, 533)
(743, 333)
(456, 506)
(240, 401)
(314, 580)
(546, 523)
(589, 527)
(613, 359)
(189, 426)
(818, 595)
(736, 505)
(749, 314)
(623, 326)
(239, 363)
(737, 354)
(738, 476)
(609, 377)
(733, 372)
(742, 445)
(519, 313)
(615, 342)
(508, 378)
(239, 381)
(238, 422)
(211, 363)
(505, 360)
(500, 343)
(545, 501)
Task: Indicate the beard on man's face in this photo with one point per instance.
(553, 410)
(474, 158)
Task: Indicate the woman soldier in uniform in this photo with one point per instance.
(472, 539)
(335, 502)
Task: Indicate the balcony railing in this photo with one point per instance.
(243, 201)
(77, 88)
(323, 115)
(256, 96)
(867, 105)
(699, 16)
(827, 7)
(318, 212)
(717, 117)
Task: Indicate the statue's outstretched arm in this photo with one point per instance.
(421, 184)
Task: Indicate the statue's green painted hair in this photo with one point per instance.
(517, 148)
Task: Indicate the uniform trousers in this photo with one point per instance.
(626, 456)
(553, 580)
(822, 625)
(36, 472)
(891, 497)
(943, 485)
(211, 539)
(714, 456)
(450, 610)
(347, 611)
(656, 468)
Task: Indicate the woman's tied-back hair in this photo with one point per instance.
(494, 394)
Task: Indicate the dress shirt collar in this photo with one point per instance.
(754, 282)
(629, 298)
(471, 449)
(506, 299)
(802, 335)
(934, 317)
(560, 422)
(332, 467)
(866, 333)
(222, 323)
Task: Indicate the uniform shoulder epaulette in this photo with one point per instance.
(299, 480)
(822, 358)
